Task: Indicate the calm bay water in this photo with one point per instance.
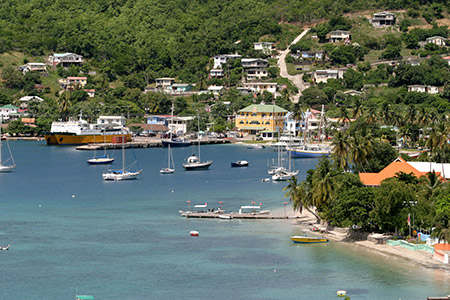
(126, 240)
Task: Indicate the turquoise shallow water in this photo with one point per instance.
(125, 240)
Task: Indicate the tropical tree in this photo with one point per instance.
(63, 105)
(341, 148)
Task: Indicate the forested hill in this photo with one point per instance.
(170, 37)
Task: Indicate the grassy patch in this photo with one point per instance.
(292, 69)
(373, 55)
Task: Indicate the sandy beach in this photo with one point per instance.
(308, 222)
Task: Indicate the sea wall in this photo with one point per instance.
(440, 256)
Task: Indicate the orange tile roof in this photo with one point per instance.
(398, 165)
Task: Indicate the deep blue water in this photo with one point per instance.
(126, 240)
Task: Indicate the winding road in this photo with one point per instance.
(297, 80)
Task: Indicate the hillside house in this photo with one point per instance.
(437, 40)
(423, 89)
(254, 63)
(223, 58)
(8, 112)
(383, 18)
(340, 36)
(265, 47)
(447, 59)
(179, 88)
(90, 92)
(323, 75)
(259, 117)
(312, 55)
(164, 82)
(65, 59)
(26, 99)
(216, 73)
(216, 89)
(72, 82)
(34, 67)
(112, 120)
(256, 73)
(260, 87)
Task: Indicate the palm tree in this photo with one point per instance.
(442, 233)
(63, 105)
(411, 114)
(343, 115)
(360, 148)
(322, 183)
(386, 113)
(341, 148)
(371, 115)
(357, 110)
(431, 184)
(300, 194)
(293, 193)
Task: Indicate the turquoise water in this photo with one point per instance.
(126, 240)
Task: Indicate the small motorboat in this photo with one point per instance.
(308, 239)
(341, 293)
(5, 247)
(225, 217)
(255, 146)
(239, 163)
(194, 233)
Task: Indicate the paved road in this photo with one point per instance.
(297, 80)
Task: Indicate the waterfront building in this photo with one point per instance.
(257, 118)
(9, 111)
(112, 120)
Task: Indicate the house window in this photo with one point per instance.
(241, 122)
(267, 123)
(253, 114)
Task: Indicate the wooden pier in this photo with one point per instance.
(145, 143)
(230, 216)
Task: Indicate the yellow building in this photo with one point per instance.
(260, 118)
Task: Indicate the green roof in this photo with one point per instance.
(9, 106)
(85, 297)
(264, 108)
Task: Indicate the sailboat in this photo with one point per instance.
(104, 159)
(170, 164)
(6, 168)
(311, 150)
(284, 174)
(124, 173)
(277, 168)
(193, 162)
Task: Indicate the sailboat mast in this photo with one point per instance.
(171, 123)
(198, 137)
(123, 154)
(1, 121)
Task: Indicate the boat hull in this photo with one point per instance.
(167, 171)
(198, 166)
(307, 153)
(166, 143)
(119, 176)
(308, 240)
(6, 169)
(72, 139)
(100, 161)
(237, 165)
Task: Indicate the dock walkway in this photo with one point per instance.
(146, 143)
(212, 215)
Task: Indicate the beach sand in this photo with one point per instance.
(308, 222)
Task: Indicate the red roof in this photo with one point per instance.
(398, 165)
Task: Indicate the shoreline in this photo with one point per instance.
(307, 221)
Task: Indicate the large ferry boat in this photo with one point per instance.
(81, 132)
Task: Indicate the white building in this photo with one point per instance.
(65, 59)
(9, 112)
(324, 75)
(26, 99)
(339, 35)
(223, 58)
(383, 18)
(178, 125)
(254, 63)
(260, 87)
(256, 73)
(112, 120)
(164, 82)
(216, 73)
(437, 40)
(265, 47)
(423, 89)
(216, 89)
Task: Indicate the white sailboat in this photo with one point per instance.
(104, 159)
(279, 167)
(285, 174)
(170, 164)
(4, 167)
(124, 173)
(194, 162)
